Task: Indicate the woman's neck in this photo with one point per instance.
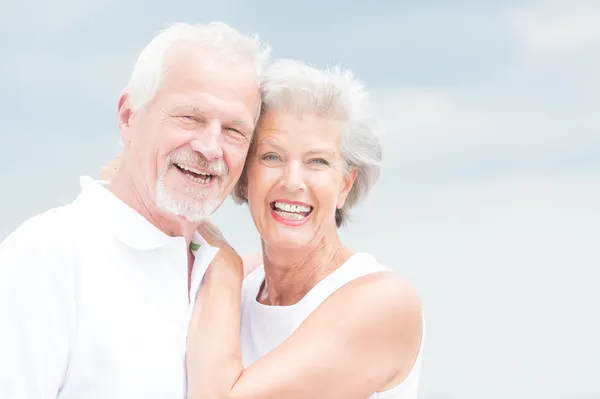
(291, 274)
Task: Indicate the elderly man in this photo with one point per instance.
(95, 296)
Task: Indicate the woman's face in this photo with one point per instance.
(296, 179)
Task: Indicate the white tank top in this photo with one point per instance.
(263, 327)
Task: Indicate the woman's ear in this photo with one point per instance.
(347, 184)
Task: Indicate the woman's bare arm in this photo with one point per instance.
(363, 336)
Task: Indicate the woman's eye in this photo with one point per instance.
(270, 157)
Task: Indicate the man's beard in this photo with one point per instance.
(194, 205)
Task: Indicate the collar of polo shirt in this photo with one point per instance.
(129, 226)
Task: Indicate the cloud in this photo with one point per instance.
(396, 43)
(539, 111)
(559, 28)
(450, 127)
(57, 93)
(37, 21)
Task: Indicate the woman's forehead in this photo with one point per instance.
(278, 127)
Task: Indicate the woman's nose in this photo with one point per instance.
(293, 179)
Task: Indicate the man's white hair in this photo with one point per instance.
(292, 86)
(224, 41)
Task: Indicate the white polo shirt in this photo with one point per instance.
(94, 303)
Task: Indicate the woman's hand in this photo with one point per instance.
(110, 169)
(214, 237)
(227, 256)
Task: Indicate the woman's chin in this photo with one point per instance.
(288, 241)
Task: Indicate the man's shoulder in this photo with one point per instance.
(48, 228)
(66, 221)
(41, 250)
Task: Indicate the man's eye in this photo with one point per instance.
(232, 130)
(320, 161)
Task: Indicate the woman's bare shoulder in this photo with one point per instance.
(378, 318)
(382, 294)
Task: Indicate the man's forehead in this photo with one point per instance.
(197, 84)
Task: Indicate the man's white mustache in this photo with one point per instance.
(217, 168)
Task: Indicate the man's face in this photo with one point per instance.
(188, 146)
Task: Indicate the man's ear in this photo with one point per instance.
(245, 189)
(124, 116)
(349, 179)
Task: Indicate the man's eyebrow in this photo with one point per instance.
(188, 108)
(241, 124)
(199, 111)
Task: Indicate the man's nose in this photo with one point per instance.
(208, 141)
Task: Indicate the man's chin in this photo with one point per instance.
(193, 210)
(190, 213)
(194, 219)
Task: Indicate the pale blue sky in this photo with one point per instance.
(490, 195)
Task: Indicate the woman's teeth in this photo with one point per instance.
(292, 208)
(291, 211)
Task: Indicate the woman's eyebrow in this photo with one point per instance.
(321, 151)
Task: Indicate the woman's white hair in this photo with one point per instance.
(292, 86)
(224, 41)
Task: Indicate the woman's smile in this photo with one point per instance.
(291, 213)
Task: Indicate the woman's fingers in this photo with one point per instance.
(110, 169)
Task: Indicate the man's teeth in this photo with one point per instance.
(201, 180)
(194, 174)
(196, 171)
(292, 208)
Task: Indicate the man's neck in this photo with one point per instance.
(139, 198)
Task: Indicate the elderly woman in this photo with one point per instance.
(316, 320)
